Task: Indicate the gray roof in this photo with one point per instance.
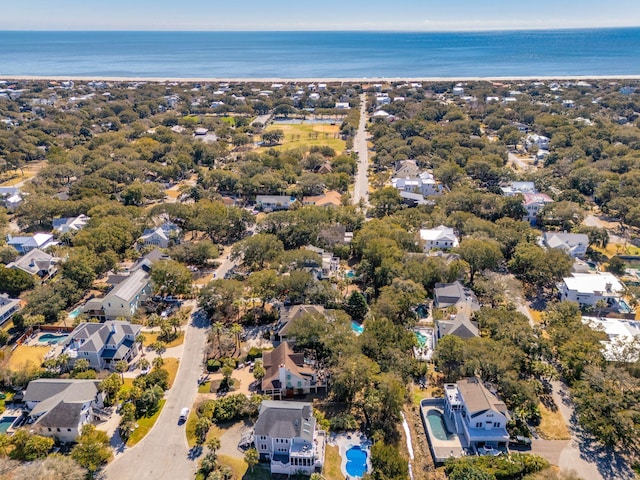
(92, 337)
(280, 419)
(477, 398)
(461, 326)
(62, 415)
(132, 286)
(49, 392)
(565, 240)
(289, 314)
(449, 294)
(33, 262)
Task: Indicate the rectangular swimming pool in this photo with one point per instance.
(5, 423)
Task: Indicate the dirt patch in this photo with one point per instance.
(422, 464)
(552, 425)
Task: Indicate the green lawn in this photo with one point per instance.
(205, 387)
(241, 469)
(145, 424)
(190, 429)
(151, 337)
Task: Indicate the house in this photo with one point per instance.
(622, 340)
(440, 237)
(423, 183)
(286, 435)
(286, 373)
(539, 141)
(574, 244)
(332, 198)
(161, 236)
(104, 344)
(342, 106)
(447, 295)
(36, 262)
(125, 298)
(289, 314)
(459, 325)
(26, 244)
(10, 198)
(588, 289)
(533, 203)
(406, 168)
(59, 408)
(479, 416)
(517, 188)
(454, 296)
(274, 202)
(72, 224)
(8, 306)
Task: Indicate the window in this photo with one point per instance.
(68, 429)
(478, 424)
(49, 428)
(497, 424)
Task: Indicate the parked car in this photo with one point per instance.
(520, 441)
(184, 414)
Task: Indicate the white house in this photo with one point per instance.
(10, 198)
(71, 224)
(26, 244)
(274, 202)
(623, 338)
(516, 188)
(286, 373)
(59, 408)
(479, 416)
(587, 289)
(533, 203)
(286, 436)
(540, 141)
(161, 236)
(440, 237)
(104, 344)
(424, 183)
(342, 106)
(574, 244)
(8, 306)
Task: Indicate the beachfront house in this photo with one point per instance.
(588, 289)
(287, 373)
(270, 203)
(104, 344)
(441, 237)
(574, 244)
(59, 408)
(480, 418)
(8, 307)
(286, 435)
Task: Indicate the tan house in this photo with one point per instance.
(286, 373)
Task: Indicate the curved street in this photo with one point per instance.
(163, 453)
(361, 186)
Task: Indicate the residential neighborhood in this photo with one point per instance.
(339, 280)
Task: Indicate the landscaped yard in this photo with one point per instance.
(552, 426)
(241, 469)
(24, 356)
(307, 135)
(190, 429)
(151, 337)
(144, 426)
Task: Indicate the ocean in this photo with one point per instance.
(595, 52)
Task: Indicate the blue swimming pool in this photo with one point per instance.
(624, 306)
(438, 427)
(5, 423)
(422, 339)
(52, 338)
(356, 327)
(356, 461)
(75, 312)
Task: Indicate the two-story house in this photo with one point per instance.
(440, 237)
(533, 203)
(270, 203)
(26, 244)
(125, 298)
(286, 436)
(286, 373)
(588, 289)
(59, 408)
(161, 236)
(104, 344)
(8, 307)
(479, 416)
(36, 263)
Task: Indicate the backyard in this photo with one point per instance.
(24, 356)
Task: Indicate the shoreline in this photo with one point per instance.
(84, 78)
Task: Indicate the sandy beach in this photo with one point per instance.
(310, 79)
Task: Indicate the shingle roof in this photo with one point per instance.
(33, 261)
(477, 398)
(281, 355)
(49, 392)
(289, 314)
(98, 335)
(280, 419)
(63, 415)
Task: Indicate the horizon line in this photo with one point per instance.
(355, 30)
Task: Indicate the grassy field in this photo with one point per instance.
(205, 387)
(171, 365)
(552, 426)
(24, 356)
(332, 461)
(617, 249)
(308, 135)
(15, 176)
(145, 424)
(151, 337)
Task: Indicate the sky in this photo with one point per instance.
(418, 15)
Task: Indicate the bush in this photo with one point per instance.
(213, 365)
(254, 353)
(341, 423)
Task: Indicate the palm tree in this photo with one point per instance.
(121, 367)
(214, 444)
(252, 458)
(218, 329)
(63, 361)
(236, 330)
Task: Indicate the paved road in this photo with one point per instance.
(582, 454)
(361, 186)
(263, 119)
(163, 453)
(593, 221)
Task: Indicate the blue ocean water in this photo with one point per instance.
(321, 54)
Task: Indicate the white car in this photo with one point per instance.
(184, 414)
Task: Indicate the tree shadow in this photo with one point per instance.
(195, 452)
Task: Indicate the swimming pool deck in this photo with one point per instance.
(347, 440)
(440, 449)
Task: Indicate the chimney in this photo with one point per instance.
(608, 286)
(113, 327)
